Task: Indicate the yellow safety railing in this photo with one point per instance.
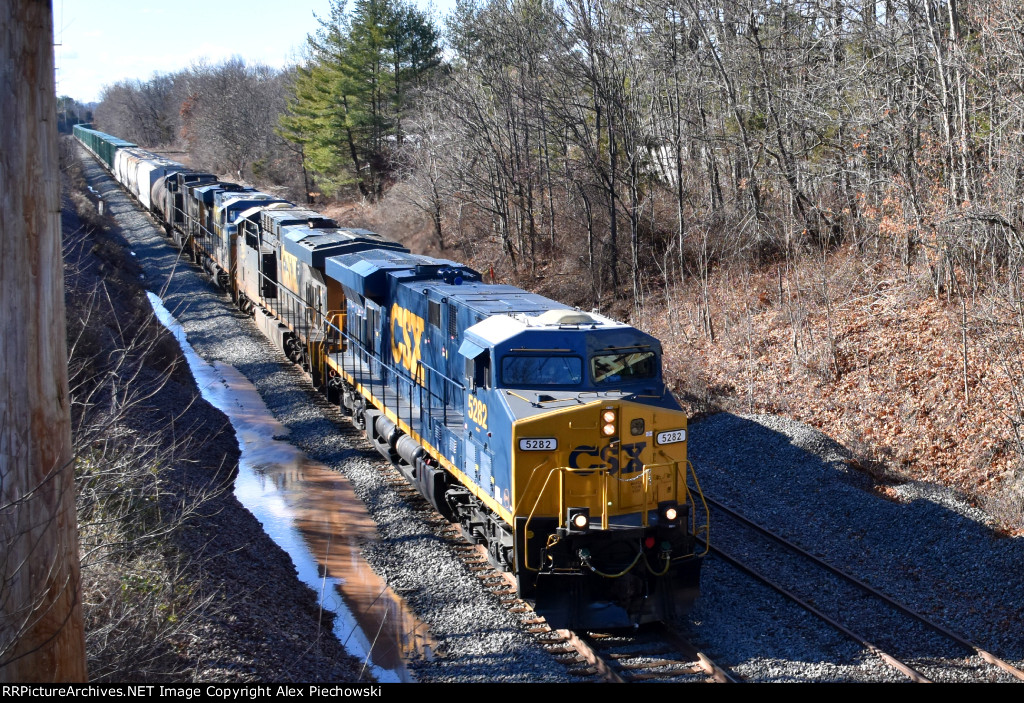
(688, 497)
(706, 529)
(681, 489)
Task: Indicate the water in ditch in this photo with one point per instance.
(312, 513)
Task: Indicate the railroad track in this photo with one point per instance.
(919, 648)
(652, 653)
(655, 653)
(648, 654)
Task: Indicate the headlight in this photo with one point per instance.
(669, 513)
(578, 519)
(608, 418)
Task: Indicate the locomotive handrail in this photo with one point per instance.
(526, 527)
(603, 474)
(689, 499)
(562, 471)
(707, 513)
(329, 323)
(346, 336)
(453, 381)
(355, 349)
(526, 489)
(291, 312)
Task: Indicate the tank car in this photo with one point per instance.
(546, 433)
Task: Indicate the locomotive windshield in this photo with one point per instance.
(626, 367)
(532, 371)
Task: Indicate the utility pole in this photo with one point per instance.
(41, 632)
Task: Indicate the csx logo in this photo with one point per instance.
(587, 457)
(406, 334)
(477, 411)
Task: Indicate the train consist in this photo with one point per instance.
(546, 433)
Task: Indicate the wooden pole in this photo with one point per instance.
(41, 633)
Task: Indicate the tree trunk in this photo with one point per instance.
(41, 633)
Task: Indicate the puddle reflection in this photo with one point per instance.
(313, 514)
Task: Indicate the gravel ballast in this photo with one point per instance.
(240, 615)
(929, 550)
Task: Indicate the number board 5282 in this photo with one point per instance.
(538, 444)
(671, 437)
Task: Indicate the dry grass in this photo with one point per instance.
(139, 605)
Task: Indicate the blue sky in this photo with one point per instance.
(100, 42)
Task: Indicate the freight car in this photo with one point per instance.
(546, 433)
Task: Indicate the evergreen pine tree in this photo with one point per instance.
(348, 101)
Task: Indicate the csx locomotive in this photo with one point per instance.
(546, 433)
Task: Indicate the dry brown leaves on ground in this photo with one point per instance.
(879, 364)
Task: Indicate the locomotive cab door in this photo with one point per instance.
(478, 385)
(268, 274)
(651, 457)
(633, 452)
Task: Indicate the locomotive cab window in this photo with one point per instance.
(532, 371)
(251, 238)
(623, 368)
(478, 364)
(478, 370)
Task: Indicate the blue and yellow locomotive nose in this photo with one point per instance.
(618, 458)
(605, 512)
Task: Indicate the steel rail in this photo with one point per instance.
(909, 672)
(716, 672)
(668, 666)
(906, 610)
(475, 558)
